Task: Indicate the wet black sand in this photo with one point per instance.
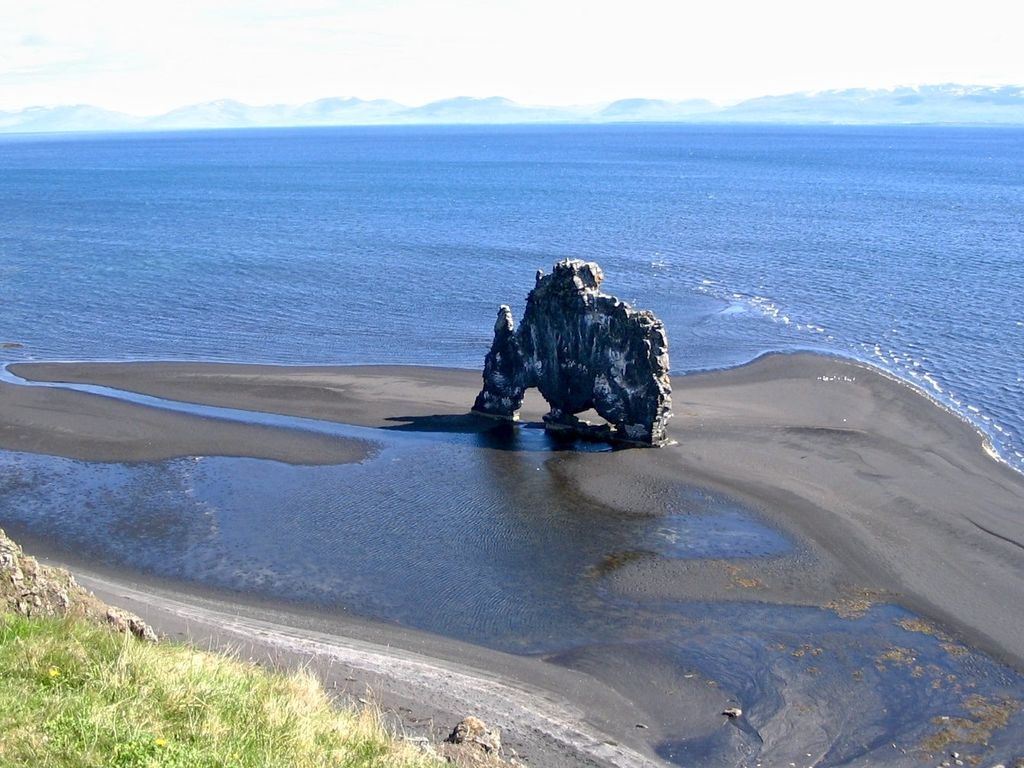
(892, 509)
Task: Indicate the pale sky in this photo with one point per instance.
(148, 57)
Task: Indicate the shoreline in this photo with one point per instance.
(915, 386)
(91, 427)
(423, 683)
(889, 495)
(986, 438)
(786, 399)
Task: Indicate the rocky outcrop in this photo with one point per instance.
(582, 349)
(32, 589)
(473, 730)
(472, 744)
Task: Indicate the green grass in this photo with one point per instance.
(76, 695)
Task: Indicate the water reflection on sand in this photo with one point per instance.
(479, 537)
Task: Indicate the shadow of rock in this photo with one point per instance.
(496, 434)
(460, 423)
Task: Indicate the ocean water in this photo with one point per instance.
(902, 246)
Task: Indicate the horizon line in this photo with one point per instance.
(527, 104)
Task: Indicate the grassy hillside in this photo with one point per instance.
(75, 694)
(84, 684)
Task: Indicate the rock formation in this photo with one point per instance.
(582, 349)
(29, 588)
(474, 730)
(472, 744)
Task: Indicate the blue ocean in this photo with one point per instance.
(899, 246)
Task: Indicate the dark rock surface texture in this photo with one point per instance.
(582, 350)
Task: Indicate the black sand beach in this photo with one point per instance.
(890, 499)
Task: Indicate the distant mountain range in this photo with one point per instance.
(932, 104)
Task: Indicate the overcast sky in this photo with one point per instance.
(147, 57)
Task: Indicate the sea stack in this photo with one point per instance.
(582, 349)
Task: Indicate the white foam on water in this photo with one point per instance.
(909, 362)
(992, 452)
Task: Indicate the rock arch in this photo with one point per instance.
(582, 349)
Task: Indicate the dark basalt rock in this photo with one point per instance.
(582, 349)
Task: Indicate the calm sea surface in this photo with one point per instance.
(899, 246)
